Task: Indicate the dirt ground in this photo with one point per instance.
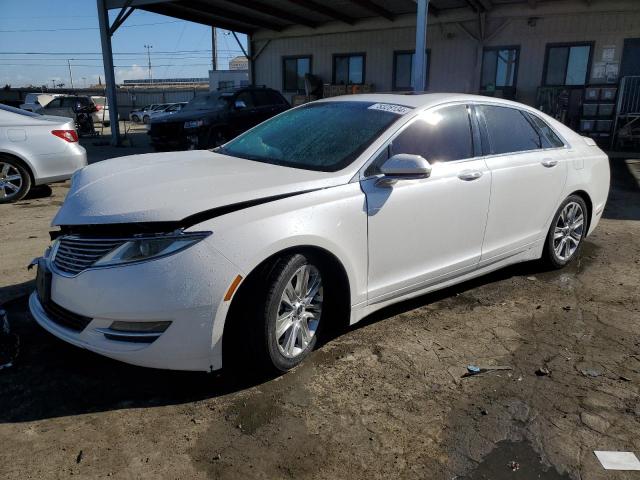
(383, 400)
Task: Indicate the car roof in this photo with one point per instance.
(422, 100)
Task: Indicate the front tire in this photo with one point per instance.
(288, 308)
(567, 232)
(146, 119)
(15, 181)
(135, 118)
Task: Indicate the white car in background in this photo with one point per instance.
(322, 214)
(35, 150)
(169, 109)
(34, 101)
(139, 114)
(101, 115)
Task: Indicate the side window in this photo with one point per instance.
(69, 102)
(247, 98)
(55, 103)
(443, 135)
(549, 137)
(509, 130)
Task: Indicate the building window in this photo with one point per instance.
(567, 65)
(499, 68)
(293, 71)
(348, 69)
(403, 74)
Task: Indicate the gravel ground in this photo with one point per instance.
(383, 400)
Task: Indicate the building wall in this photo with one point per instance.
(235, 77)
(454, 63)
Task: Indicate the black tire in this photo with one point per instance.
(252, 345)
(9, 168)
(146, 119)
(550, 254)
(135, 118)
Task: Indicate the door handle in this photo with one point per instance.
(469, 175)
(547, 162)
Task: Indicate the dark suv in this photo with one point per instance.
(211, 119)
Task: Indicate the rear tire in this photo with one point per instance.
(566, 233)
(15, 181)
(135, 118)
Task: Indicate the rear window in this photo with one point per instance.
(18, 111)
(509, 130)
(549, 137)
(99, 100)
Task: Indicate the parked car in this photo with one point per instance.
(35, 150)
(210, 119)
(65, 106)
(34, 101)
(170, 109)
(101, 115)
(138, 115)
(323, 214)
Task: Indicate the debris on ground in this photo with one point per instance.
(543, 372)
(590, 372)
(514, 466)
(532, 279)
(618, 460)
(566, 308)
(473, 370)
(79, 457)
(9, 343)
(624, 379)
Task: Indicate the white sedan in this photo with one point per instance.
(322, 214)
(35, 150)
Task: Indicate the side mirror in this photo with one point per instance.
(240, 104)
(404, 166)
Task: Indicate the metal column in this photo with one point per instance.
(109, 75)
(419, 64)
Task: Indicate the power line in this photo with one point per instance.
(86, 28)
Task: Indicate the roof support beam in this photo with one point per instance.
(375, 8)
(232, 15)
(329, 12)
(122, 16)
(274, 12)
(197, 17)
(109, 75)
(419, 64)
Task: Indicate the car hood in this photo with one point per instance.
(170, 187)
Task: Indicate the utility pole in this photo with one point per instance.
(214, 48)
(70, 74)
(53, 84)
(149, 47)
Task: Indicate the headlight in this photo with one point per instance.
(194, 123)
(141, 249)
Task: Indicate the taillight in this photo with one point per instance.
(99, 107)
(68, 135)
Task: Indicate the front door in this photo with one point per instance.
(528, 177)
(425, 231)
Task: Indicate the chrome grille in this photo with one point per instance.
(75, 254)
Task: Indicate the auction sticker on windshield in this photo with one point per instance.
(389, 107)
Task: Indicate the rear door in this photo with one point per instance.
(528, 177)
(244, 113)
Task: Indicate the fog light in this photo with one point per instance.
(137, 332)
(140, 327)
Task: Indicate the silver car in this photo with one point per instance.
(35, 150)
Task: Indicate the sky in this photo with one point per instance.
(38, 38)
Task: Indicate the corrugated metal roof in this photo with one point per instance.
(251, 15)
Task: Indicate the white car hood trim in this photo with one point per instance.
(171, 187)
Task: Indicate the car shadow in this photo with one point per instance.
(51, 378)
(622, 202)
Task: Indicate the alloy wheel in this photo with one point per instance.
(568, 232)
(299, 311)
(10, 181)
